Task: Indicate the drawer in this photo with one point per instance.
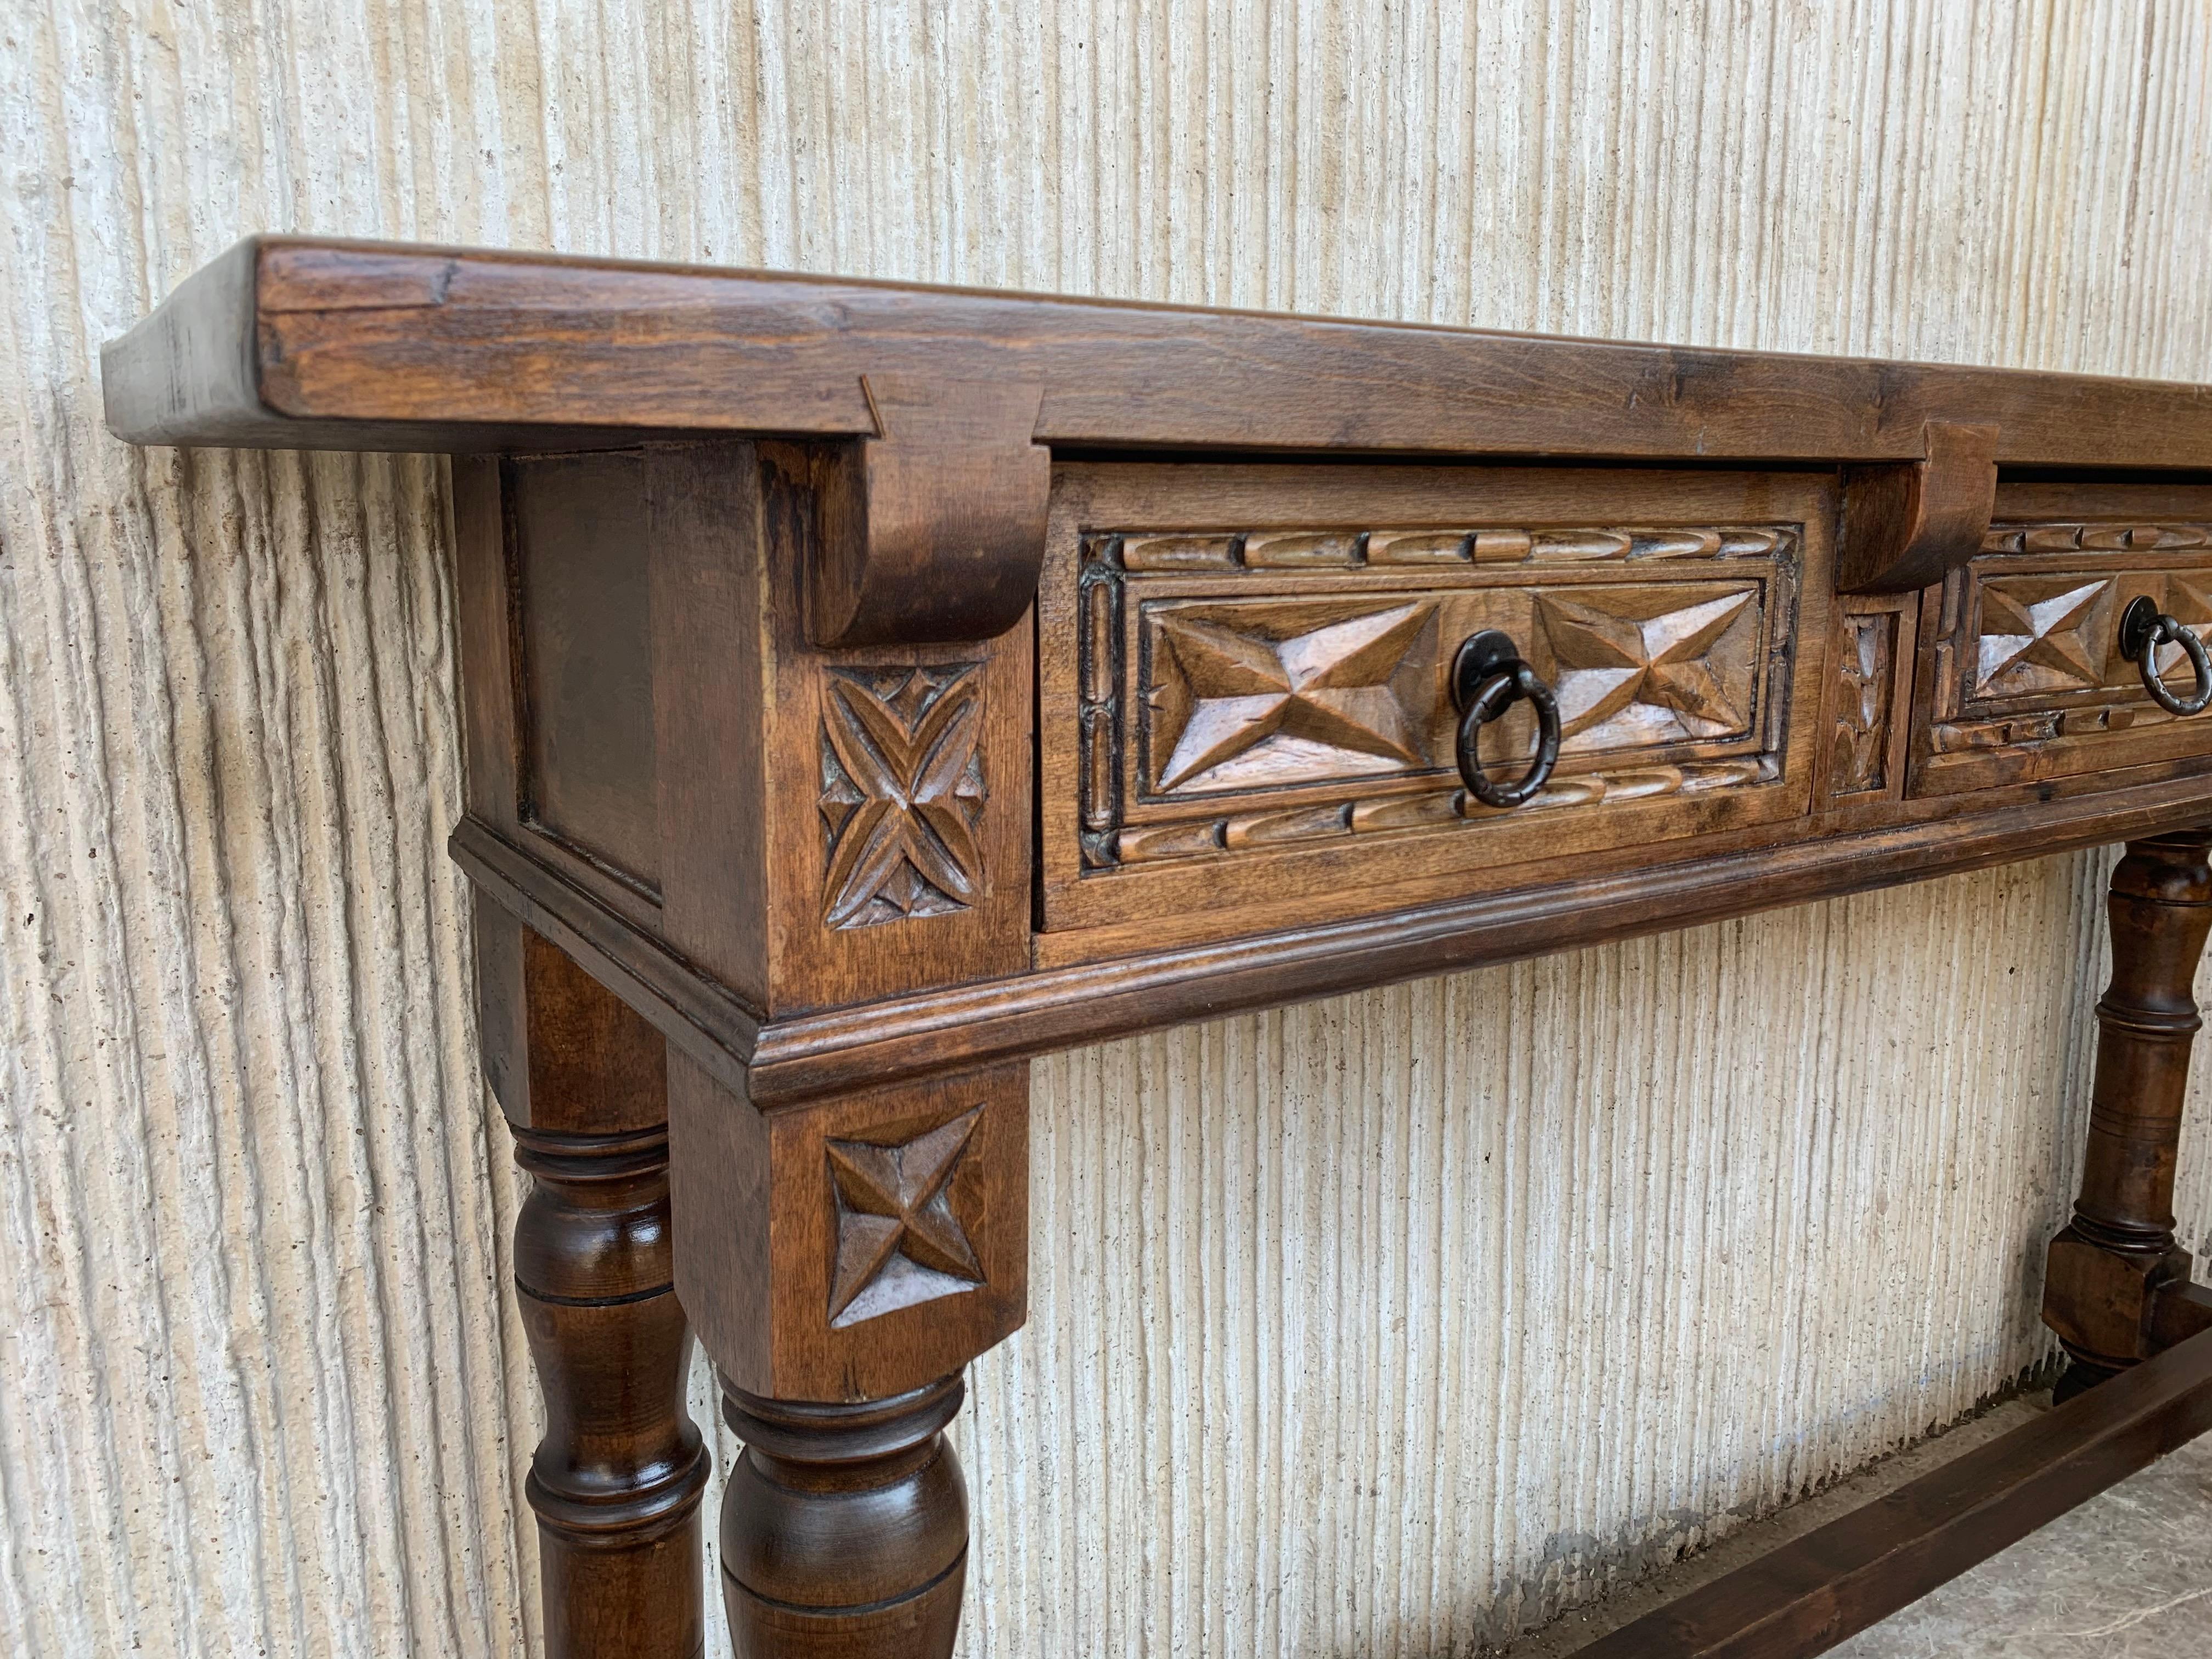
(2025, 679)
(1243, 673)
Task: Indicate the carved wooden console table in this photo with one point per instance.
(869, 688)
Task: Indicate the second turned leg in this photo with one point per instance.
(616, 1482)
(2111, 1264)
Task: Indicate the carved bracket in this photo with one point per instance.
(933, 529)
(1907, 524)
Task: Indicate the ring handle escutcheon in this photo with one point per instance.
(2143, 628)
(1488, 677)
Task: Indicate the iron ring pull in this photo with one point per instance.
(2143, 628)
(1488, 677)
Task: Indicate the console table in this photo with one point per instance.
(871, 687)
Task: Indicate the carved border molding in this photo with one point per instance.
(2055, 645)
(2072, 537)
(1866, 656)
(1112, 562)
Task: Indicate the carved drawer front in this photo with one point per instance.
(1244, 674)
(2026, 679)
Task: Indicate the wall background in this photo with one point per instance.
(1377, 1328)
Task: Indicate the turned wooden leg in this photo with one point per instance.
(845, 1528)
(2109, 1266)
(617, 1481)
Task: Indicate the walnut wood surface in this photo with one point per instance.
(798, 828)
(1242, 673)
(1908, 524)
(302, 343)
(807, 1056)
(1816, 1591)
(845, 1528)
(934, 524)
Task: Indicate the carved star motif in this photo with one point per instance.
(902, 792)
(1652, 674)
(898, 1241)
(1328, 688)
(2036, 638)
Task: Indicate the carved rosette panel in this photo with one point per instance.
(902, 792)
(2029, 644)
(900, 1241)
(1866, 656)
(1233, 695)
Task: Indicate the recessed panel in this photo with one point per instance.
(585, 659)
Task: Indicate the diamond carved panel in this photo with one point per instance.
(1644, 666)
(1238, 691)
(2044, 633)
(1283, 695)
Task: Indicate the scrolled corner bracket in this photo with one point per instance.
(933, 530)
(1907, 524)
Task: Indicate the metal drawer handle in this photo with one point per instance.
(2143, 628)
(1488, 677)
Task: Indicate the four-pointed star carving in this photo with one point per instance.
(1643, 679)
(898, 1241)
(1311, 705)
(2039, 635)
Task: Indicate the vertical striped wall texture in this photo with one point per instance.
(1384, 1327)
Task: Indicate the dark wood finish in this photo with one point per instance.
(1818, 1590)
(2106, 1269)
(934, 525)
(869, 688)
(301, 343)
(2025, 679)
(615, 1483)
(583, 670)
(1908, 524)
(856, 1247)
(1866, 722)
(845, 1528)
(807, 1056)
(1263, 707)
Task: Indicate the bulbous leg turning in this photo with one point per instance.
(845, 1528)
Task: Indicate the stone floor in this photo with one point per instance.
(2126, 1576)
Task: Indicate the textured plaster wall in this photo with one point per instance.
(1376, 1327)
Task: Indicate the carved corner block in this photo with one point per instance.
(856, 1247)
(933, 529)
(896, 833)
(1907, 524)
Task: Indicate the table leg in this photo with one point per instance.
(846, 1257)
(617, 1481)
(2108, 1267)
(845, 1528)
